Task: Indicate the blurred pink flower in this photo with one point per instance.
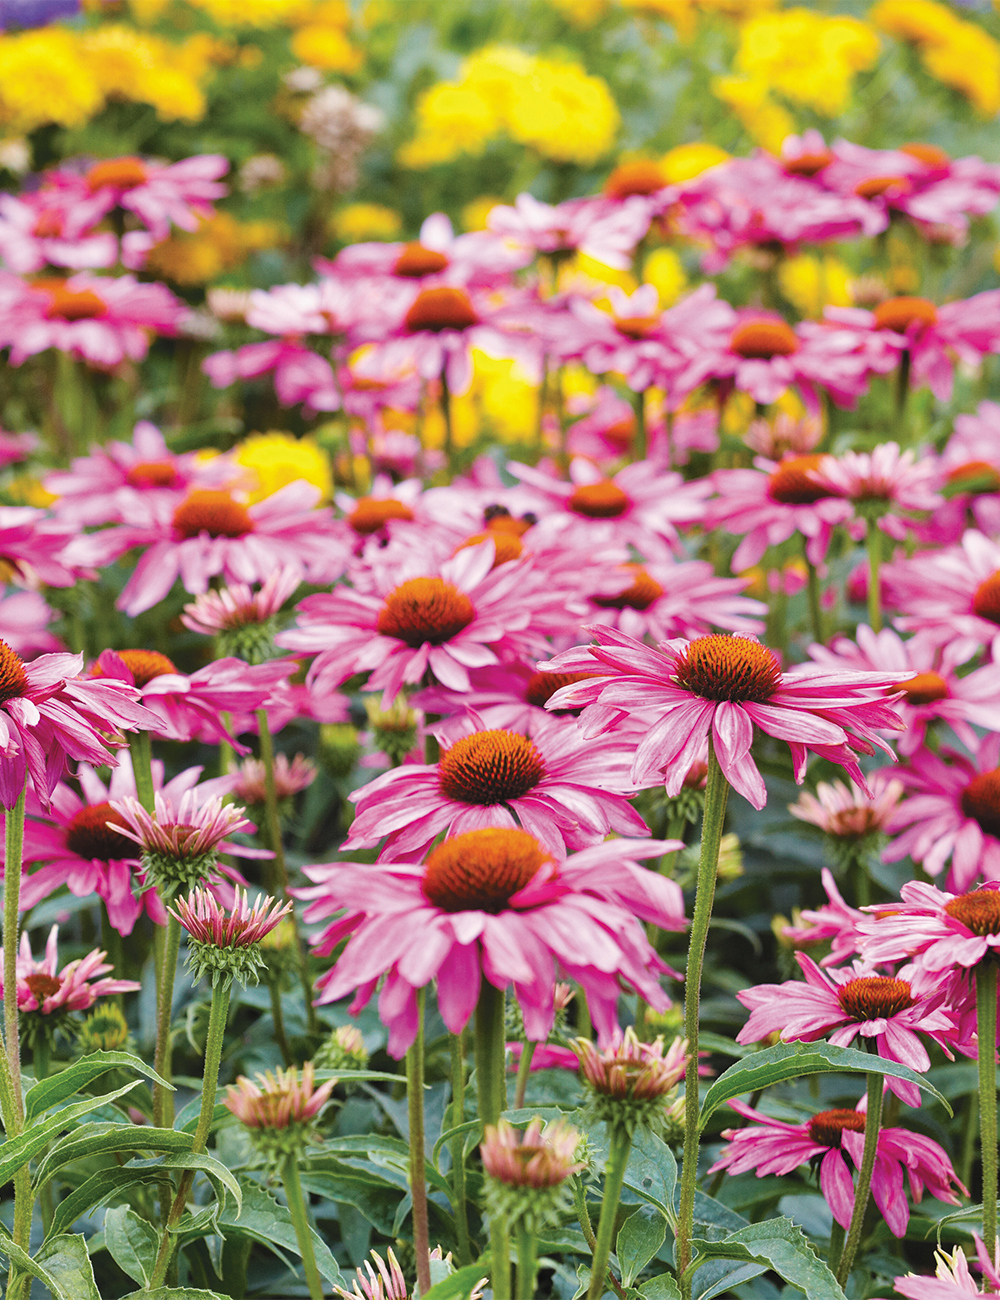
(951, 598)
(607, 232)
(834, 921)
(884, 484)
(34, 545)
(847, 813)
(943, 931)
(52, 228)
(238, 605)
(24, 623)
(952, 1279)
(161, 195)
(43, 987)
(669, 599)
(278, 1100)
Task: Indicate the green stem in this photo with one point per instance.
(902, 397)
(815, 604)
(583, 1213)
(449, 437)
(873, 1122)
(141, 749)
(491, 1090)
(458, 1149)
(874, 538)
(418, 1175)
(300, 1220)
(986, 1032)
(836, 1246)
(278, 1016)
(614, 1178)
(716, 796)
(162, 1102)
(280, 876)
(14, 1102)
(543, 397)
(639, 445)
(523, 1070)
(527, 1262)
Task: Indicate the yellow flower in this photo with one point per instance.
(43, 78)
(665, 270)
(132, 65)
(451, 120)
(806, 56)
(26, 490)
(689, 160)
(679, 12)
(583, 274)
(474, 214)
(961, 54)
(766, 122)
(564, 113)
(358, 221)
(582, 13)
(248, 13)
(322, 46)
(219, 244)
(811, 284)
(277, 459)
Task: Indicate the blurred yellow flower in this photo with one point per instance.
(501, 403)
(686, 161)
(960, 53)
(808, 57)
(766, 122)
(583, 274)
(474, 214)
(810, 283)
(26, 490)
(127, 64)
(43, 78)
(277, 458)
(665, 270)
(679, 12)
(322, 46)
(219, 244)
(582, 13)
(357, 221)
(548, 104)
(245, 13)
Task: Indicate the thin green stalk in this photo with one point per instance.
(668, 432)
(543, 397)
(280, 869)
(458, 1149)
(278, 1016)
(300, 1220)
(449, 437)
(432, 748)
(527, 1262)
(873, 1122)
(815, 604)
(836, 1246)
(583, 1213)
(716, 796)
(162, 1101)
(14, 1108)
(639, 445)
(614, 1178)
(491, 1089)
(523, 1070)
(418, 1175)
(217, 1018)
(902, 397)
(874, 538)
(141, 749)
(986, 1032)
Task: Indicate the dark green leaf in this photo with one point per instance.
(461, 1283)
(779, 1244)
(662, 1287)
(132, 1242)
(45, 1094)
(639, 1238)
(174, 1293)
(468, 1127)
(791, 1061)
(66, 1260)
(265, 1221)
(99, 1139)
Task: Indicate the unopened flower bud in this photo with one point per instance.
(630, 1081)
(343, 1050)
(393, 730)
(226, 947)
(339, 749)
(278, 1109)
(527, 1172)
(104, 1030)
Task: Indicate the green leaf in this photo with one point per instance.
(780, 1245)
(662, 1287)
(651, 1171)
(18, 1151)
(174, 1293)
(265, 1221)
(65, 1259)
(468, 1127)
(132, 1242)
(45, 1094)
(791, 1061)
(639, 1238)
(359, 1076)
(461, 1283)
(105, 1138)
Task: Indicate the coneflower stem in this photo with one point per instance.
(873, 1122)
(161, 1062)
(300, 1221)
(874, 538)
(280, 876)
(14, 1102)
(458, 1149)
(639, 445)
(836, 1245)
(418, 1176)
(815, 602)
(492, 1097)
(986, 1033)
(449, 439)
(141, 750)
(278, 1017)
(527, 1262)
(716, 797)
(614, 1178)
(902, 396)
(523, 1070)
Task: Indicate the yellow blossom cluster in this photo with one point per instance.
(355, 222)
(812, 283)
(548, 104)
(765, 121)
(65, 76)
(219, 244)
(958, 52)
(683, 14)
(276, 459)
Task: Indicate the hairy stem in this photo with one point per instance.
(815, 604)
(279, 867)
(873, 1122)
(874, 538)
(986, 1032)
(527, 1262)
(491, 1089)
(458, 1149)
(614, 1178)
(18, 1284)
(418, 1176)
(523, 1070)
(300, 1220)
(141, 750)
(162, 1101)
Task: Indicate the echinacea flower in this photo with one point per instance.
(951, 598)
(885, 485)
(771, 1146)
(49, 714)
(846, 813)
(722, 687)
(630, 1081)
(943, 931)
(892, 1010)
(834, 922)
(607, 232)
(243, 621)
(290, 776)
(567, 795)
(667, 599)
(160, 194)
(24, 623)
(952, 1279)
(527, 1172)
(969, 466)
(280, 1100)
(384, 1282)
(33, 547)
(226, 946)
(494, 904)
(44, 988)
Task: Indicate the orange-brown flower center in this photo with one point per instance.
(417, 260)
(640, 595)
(981, 801)
(636, 327)
(71, 304)
(793, 485)
(490, 767)
(763, 339)
(620, 434)
(735, 668)
(120, 173)
(507, 544)
(929, 154)
(872, 997)
(542, 686)
(144, 665)
(372, 513)
(872, 186)
(978, 473)
(13, 677)
(640, 177)
(978, 911)
(603, 500)
(925, 688)
(900, 313)
(89, 835)
(216, 513)
(49, 224)
(986, 601)
(442, 308)
(498, 519)
(43, 985)
(826, 1127)
(425, 610)
(152, 474)
(481, 870)
(807, 164)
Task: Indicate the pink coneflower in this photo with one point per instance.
(34, 546)
(49, 714)
(211, 533)
(159, 194)
(24, 623)
(847, 813)
(239, 606)
(770, 1146)
(834, 922)
(100, 319)
(772, 503)
(49, 228)
(531, 1157)
(278, 1100)
(784, 436)
(970, 469)
(666, 599)
(944, 931)
(934, 692)
(384, 1282)
(498, 906)
(722, 687)
(607, 232)
(207, 922)
(629, 1070)
(952, 1279)
(633, 339)
(123, 477)
(566, 794)
(43, 987)
(195, 826)
(385, 508)
(509, 697)
(300, 375)
(884, 485)
(446, 621)
(892, 1010)
(289, 778)
(951, 598)
(952, 812)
